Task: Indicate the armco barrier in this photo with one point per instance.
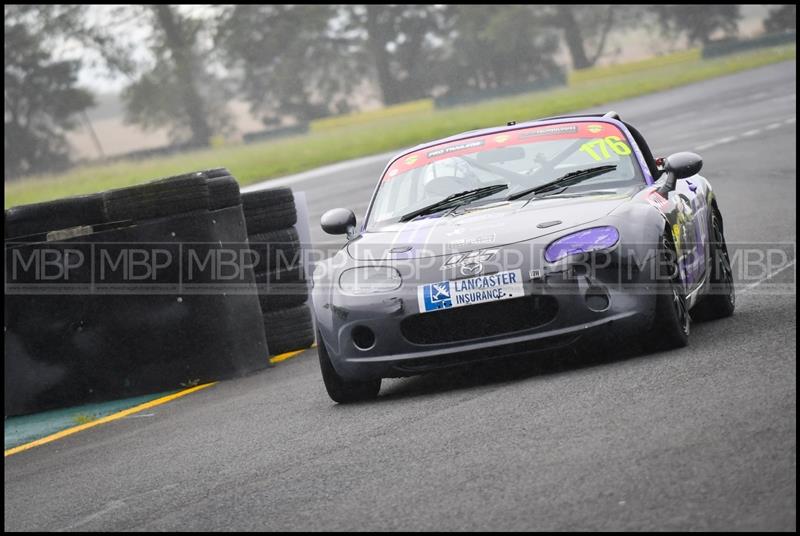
(469, 97)
(82, 324)
(275, 133)
(731, 46)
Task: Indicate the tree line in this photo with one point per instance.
(292, 63)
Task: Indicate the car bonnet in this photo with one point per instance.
(476, 227)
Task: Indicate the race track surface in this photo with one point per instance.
(698, 438)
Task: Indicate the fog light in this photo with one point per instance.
(363, 338)
(597, 299)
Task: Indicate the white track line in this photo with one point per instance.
(747, 134)
(751, 286)
(753, 132)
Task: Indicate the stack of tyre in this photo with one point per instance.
(271, 217)
(212, 189)
(100, 343)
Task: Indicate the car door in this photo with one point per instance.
(690, 230)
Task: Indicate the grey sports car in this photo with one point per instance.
(517, 239)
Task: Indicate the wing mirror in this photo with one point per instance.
(680, 166)
(339, 221)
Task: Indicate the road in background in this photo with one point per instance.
(698, 438)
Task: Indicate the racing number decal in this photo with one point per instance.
(614, 142)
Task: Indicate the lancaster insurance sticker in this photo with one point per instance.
(470, 291)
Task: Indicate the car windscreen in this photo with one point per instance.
(522, 159)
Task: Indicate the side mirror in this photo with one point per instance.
(680, 166)
(339, 221)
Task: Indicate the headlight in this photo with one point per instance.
(593, 239)
(369, 280)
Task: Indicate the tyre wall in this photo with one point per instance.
(130, 308)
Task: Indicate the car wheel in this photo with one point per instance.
(720, 301)
(671, 322)
(341, 390)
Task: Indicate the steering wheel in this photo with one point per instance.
(450, 184)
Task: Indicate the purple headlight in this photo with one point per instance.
(584, 241)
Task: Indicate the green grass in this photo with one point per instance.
(360, 118)
(657, 62)
(353, 136)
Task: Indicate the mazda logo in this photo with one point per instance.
(471, 268)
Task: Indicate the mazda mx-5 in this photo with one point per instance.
(513, 240)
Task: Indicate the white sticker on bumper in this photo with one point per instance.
(470, 291)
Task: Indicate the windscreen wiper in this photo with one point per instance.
(455, 200)
(573, 177)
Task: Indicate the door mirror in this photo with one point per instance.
(339, 221)
(680, 166)
(683, 165)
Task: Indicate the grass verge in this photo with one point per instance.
(353, 137)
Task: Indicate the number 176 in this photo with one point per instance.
(603, 144)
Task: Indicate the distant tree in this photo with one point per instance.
(42, 98)
(289, 60)
(404, 44)
(495, 46)
(698, 22)
(176, 90)
(581, 24)
(781, 19)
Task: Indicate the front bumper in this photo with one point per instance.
(391, 353)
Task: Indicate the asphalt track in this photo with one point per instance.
(698, 438)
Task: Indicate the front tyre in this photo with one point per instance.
(341, 390)
(671, 322)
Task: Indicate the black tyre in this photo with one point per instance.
(275, 249)
(49, 216)
(289, 329)
(672, 322)
(281, 289)
(339, 389)
(223, 192)
(720, 301)
(282, 298)
(269, 210)
(157, 199)
(216, 172)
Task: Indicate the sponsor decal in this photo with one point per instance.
(436, 296)
(483, 239)
(556, 130)
(456, 148)
(614, 143)
(479, 256)
(470, 291)
(657, 200)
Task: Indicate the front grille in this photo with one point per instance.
(478, 321)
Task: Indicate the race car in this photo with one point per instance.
(518, 239)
